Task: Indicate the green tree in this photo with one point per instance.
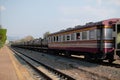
(3, 36)
(46, 34)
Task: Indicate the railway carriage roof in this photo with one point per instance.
(90, 24)
(111, 21)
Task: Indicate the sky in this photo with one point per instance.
(35, 17)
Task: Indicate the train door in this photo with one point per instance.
(118, 36)
(101, 40)
(117, 39)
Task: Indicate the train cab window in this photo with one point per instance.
(84, 35)
(77, 36)
(92, 34)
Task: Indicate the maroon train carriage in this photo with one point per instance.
(100, 40)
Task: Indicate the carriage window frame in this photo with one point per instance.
(64, 38)
(48, 40)
(57, 38)
(84, 35)
(68, 37)
(92, 35)
(61, 38)
(72, 36)
(78, 36)
(108, 33)
(54, 39)
(98, 34)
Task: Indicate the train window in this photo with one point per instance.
(84, 35)
(72, 36)
(48, 39)
(98, 34)
(56, 38)
(108, 33)
(52, 39)
(92, 34)
(77, 36)
(59, 38)
(63, 38)
(68, 37)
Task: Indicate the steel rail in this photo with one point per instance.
(56, 72)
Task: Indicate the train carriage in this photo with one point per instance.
(94, 40)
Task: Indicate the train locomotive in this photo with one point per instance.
(96, 41)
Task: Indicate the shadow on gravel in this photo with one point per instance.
(55, 62)
(20, 60)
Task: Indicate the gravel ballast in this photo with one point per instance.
(78, 69)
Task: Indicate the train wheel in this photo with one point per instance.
(67, 53)
(110, 61)
(87, 57)
(99, 60)
(110, 57)
(60, 53)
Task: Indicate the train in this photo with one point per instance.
(94, 40)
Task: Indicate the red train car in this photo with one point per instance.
(98, 40)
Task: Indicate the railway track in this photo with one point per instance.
(73, 66)
(47, 72)
(115, 65)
